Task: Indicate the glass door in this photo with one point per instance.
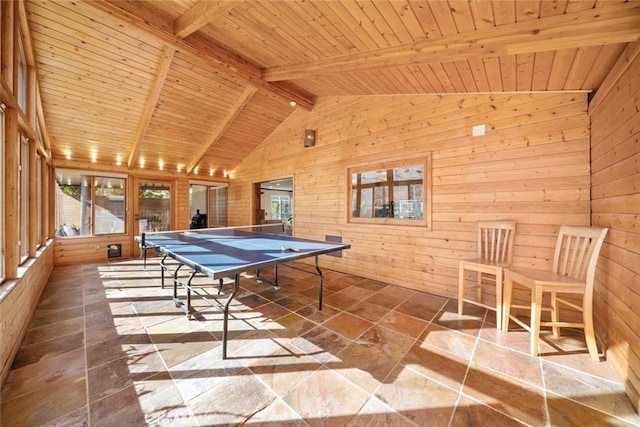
(208, 205)
(152, 208)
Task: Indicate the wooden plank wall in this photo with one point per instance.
(79, 250)
(18, 300)
(531, 166)
(615, 163)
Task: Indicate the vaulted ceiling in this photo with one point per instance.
(193, 86)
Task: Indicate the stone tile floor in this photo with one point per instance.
(108, 347)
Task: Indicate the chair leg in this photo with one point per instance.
(460, 289)
(589, 333)
(506, 302)
(479, 286)
(536, 311)
(555, 315)
(499, 301)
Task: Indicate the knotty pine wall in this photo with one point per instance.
(615, 179)
(18, 301)
(532, 166)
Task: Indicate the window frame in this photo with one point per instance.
(38, 219)
(388, 165)
(92, 178)
(23, 197)
(2, 198)
(23, 71)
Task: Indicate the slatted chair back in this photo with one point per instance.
(495, 240)
(577, 250)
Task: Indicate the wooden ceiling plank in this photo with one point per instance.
(426, 19)
(71, 25)
(494, 74)
(154, 95)
(285, 29)
(320, 31)
(603, 65)
(145, 18)
(482, 13)
(363, 23)
(232, 113)
(479, 74)
(407, 18)
(201, 14)
(542, 64)
(614, 24)
(340, 18)
(586, 61)
(524, 71)
(508, 73)
(624, 62)
(385, 20)
(462, 14)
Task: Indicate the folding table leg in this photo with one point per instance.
(225, 320)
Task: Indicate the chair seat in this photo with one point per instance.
(545, 278)
(479, 263)
(541, 277)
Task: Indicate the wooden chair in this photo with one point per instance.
(573, 272)
(494, 252)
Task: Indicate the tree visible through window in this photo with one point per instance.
(280, 207)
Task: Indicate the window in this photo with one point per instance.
(2, 233)
(38, 201)
(89, 205)
(208, 204)
(396, 192)
(108, 195)
(280, 207)
(22, 76)
(218, 206)
(23, 197)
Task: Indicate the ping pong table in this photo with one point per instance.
(230, 251)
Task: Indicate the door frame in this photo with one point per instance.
(135, 207)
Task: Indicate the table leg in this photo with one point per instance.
(319, 284)
(225, 320)
(163, 268)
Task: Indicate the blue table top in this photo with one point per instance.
(220, 252)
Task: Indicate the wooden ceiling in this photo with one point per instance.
(193, 86)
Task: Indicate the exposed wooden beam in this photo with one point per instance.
(608, 25)
(25, 30)
(7, 45)
(152, 100)
(233, 112)
(42, 123)
(36, 114)
(199, 15)
(147, 19)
